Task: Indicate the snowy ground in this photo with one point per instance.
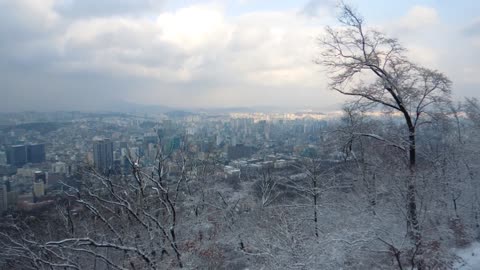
(470, 258)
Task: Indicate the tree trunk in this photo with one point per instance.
(315, 214)
(411, 187)
(412, 215)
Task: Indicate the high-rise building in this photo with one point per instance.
(39, 176)
(17, 155)
(39, 184)
(3, 158)
(3, 197)
(12, 194)
(38, 189)
(103, 155)
(36, 153)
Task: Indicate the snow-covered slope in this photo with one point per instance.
(470, 258)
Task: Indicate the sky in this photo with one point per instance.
(103, 54)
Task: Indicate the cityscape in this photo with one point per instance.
(239, 135)
(36, 159)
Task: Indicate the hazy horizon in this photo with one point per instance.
(145, 108)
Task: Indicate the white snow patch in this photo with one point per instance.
(470, 258)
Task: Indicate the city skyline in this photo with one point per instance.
(88, 55)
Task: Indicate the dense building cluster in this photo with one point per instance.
(32, 172)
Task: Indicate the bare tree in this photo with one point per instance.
(319, 178)
(266, 187)
(366, 64)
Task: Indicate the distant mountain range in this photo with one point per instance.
(127, 107)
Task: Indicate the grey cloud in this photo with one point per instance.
(66, 63)
(98, 8)
(27, 34)
(55, 67)
(313, 7)
(20, 23)
(126, 46)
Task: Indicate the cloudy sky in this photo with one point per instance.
(93, 54)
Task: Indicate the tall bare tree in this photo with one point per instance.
(366, 64)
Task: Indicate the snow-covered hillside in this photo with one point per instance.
(470, 258)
